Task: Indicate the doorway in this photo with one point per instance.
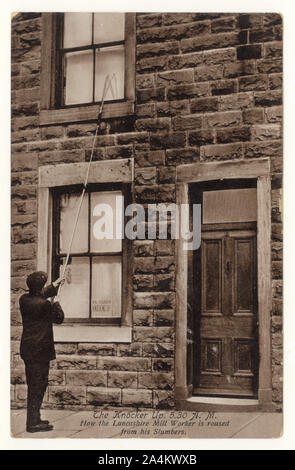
(224, 307)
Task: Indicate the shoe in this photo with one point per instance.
(43, 421)
(40, 427)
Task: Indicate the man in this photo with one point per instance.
(37, 345)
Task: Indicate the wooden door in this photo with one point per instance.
(226, 320)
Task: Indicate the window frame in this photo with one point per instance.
(102, 187)
(51, 111)
(101, 172)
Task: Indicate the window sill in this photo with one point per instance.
(85, 113)
(92, 334)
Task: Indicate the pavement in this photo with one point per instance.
(151, 424)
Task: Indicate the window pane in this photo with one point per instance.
(79, 77)
(109, 27)
(106, 221)
(109, 61)
(69, 204)
(106, 286)
(77, 29)
(74, 294)
(230, 205)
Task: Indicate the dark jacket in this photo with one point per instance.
(38, 314)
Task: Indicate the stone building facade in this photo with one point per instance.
(207, 90)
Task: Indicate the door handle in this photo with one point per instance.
(228, 267)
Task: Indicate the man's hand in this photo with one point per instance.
(58, 282)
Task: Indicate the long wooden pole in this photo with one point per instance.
(107, 85)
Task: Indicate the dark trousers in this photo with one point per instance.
(37, 381)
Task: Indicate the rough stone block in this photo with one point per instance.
(218, 56)
(86, 378)
(100, 396)
(185, 61)
(143, 282)
(76, 362)
(164, 282)
(277, 269)
(56, 377)
(260, 149)
(275, 81)
(238, 69)
(142, 317)
(266, 131)
(143, 300)
(158, 349)
(137, 398)
(166, 175)
(123, 363)
(253, 82)
(127, 350)
(173, 108)
(223, 119)
(163, 365)
(179, 156)
(164, 247)
(267, 34)
(149, 20)
(166, 33)
(153, 125)
(253, 20)
(182, 92)
(208, 72)
(175, 77)
(146, 110)
(21, 394)
(143, 248)
(163, 399)
(253, 116)
(198, 105)
(186, 122)
(123, 380)
(268, 98)
(249, 52)
(273, 65)
(145, 176)
(18, 376)
(201, 137)
(149, 158)
(164, 141)
(152, 64)
(163, 317)
(237, 134)
(224, 24)
(273, 49)
(237, 101)
(221, 152)
(274, 114)
(224, 87)
(24, 162)
(153, 334)
(145, 81)
(67, 395)
(22, 268)
(155, 380)
(212, 41)
(157, 49)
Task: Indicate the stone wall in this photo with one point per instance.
(208, 88)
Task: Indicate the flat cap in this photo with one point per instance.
(36, 280)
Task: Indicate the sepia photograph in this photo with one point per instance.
(146, 225)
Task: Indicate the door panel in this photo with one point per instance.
(227, 319)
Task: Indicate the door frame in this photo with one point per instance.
(200, 173)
